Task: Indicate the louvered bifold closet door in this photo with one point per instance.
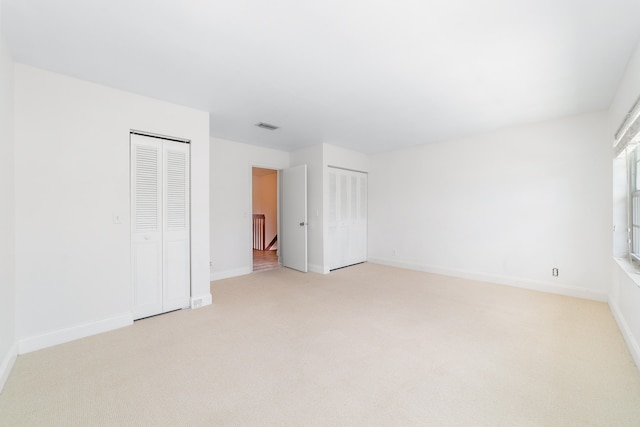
(146, 226)
(347, 218)
(160, 225)
(176, 249)
(358, 218)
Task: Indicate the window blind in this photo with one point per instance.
(628, 131)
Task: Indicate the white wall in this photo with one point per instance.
(72, 174)
(231, 199)
(344, 158)
(230, 179)
(505, 207)
(8, 343)
(313, 158)
(624, 298)
(318, 158)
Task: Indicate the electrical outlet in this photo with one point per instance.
(394, 252)
(554, 272)
(197, 303)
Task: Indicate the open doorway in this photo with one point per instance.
(265, 219)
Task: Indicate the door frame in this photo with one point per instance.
(249, 215)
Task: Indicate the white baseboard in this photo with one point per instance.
(7, 364)
(201, 301)
(27, 345)
(225, 274)
(553, 288)
(634, 349)
(314, 268)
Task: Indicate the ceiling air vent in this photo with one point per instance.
(266, 126)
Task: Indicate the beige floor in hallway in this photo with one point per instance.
(364, 346)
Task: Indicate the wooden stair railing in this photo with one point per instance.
(258, 231)
(273, 242)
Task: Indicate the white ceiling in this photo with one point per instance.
(370, 75)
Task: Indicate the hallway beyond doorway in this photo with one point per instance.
(265, 260)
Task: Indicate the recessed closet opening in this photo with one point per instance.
(347, 217)
(160, 224)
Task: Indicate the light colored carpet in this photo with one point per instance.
(364, 346)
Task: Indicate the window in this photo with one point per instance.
(627, 148)
(633, 161)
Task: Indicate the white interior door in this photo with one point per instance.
(293, 244)
(160, 225)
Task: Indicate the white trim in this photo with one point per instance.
(27, 345)
(566, 290)
(347, 169)
(7, 364)
(225, 274)
(632, 344)
(320, 269)
(159, 136)
(202, 299)
(630, 269)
